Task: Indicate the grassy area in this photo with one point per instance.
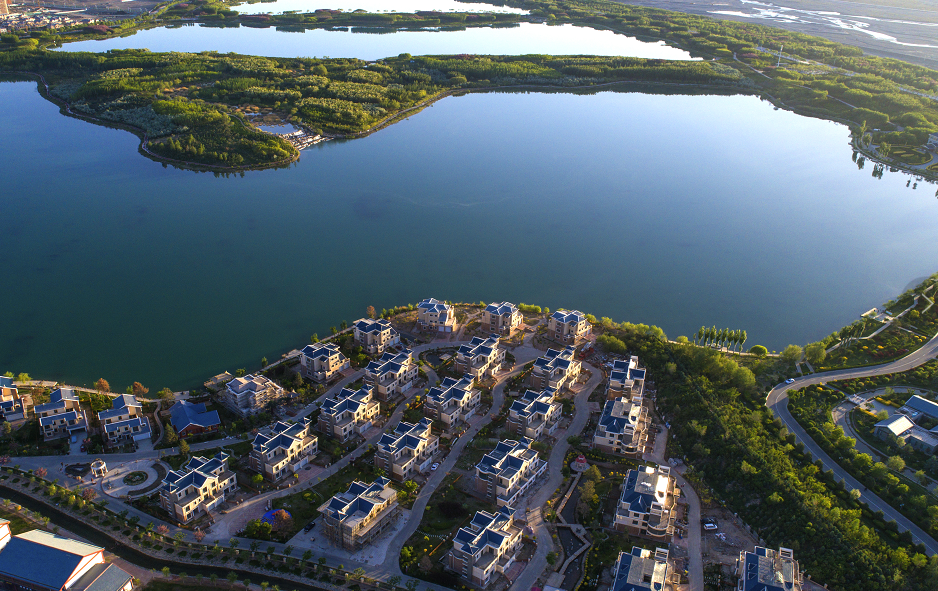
(18, 525)
(28, 441)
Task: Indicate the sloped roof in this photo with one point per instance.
(501, 309)
(554, 359)
(641, 488)
(185, 413)
(284, 435)
(533, 402)
(923, 405)
(142, 422)
(766, 570)
(485, 529)
(346, 400)
(568, 316)
(359, 500)
(450, 389)
(619, 414)
(120, 406)
(405, 435)
(322, 350)
(508, 457)
(638, 571)
(897, 424)
(102, 577)
(479, 346)
(389, 363)
(369, 325)
(434, 305)
(44, 559)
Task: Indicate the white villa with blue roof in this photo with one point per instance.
(41, 561)
(568, 327)
(501, 318)
(622, 427)
(555, 369)
(487, 546)
(436, 316)
(391, 375)
(481, 358)
(125, 420)
(534, 414)
(627, 380)
(285, 451)
(452, 401)
(640, 570)
(356, 517)
(200, 486)
(321, 362)
(647, 504)
(62, 415)
(348, 413)
(13, 406)
(375, 336)
(765, 569)
(504, 474)
(406, 450)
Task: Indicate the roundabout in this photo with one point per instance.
(132, 479)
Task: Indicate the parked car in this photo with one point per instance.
(82, 448)
(309, 526)
(790, 381)
(434, 466)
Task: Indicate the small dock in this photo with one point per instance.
(303, 138)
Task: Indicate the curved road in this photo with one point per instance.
(777, 401)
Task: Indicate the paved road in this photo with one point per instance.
(777, 401)
(545, 544)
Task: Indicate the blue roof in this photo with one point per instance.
(501, 309)
(185, 413)
(923, 405)
(102, 577)
(6, 382)
(43, 559)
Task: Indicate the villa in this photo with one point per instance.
(501, 318)
(348, 413)
(534, 414)
(767, 570)
(626, 380)
(436, 316)
(251, 394)
(481, 358)
(622, 428)
(391, 375)
(189, 418)
(555, 369)
(13, 406)
(321, 362)
(352, 519)
(647, 503)
(452, 401)
(488, 545)
(506, 473)
(568, 327)
(375, 336)
(900, 426)
(408, 449)
(285, 451)
(200, 486)
(125, 420)
(640, 570)
(62, 415)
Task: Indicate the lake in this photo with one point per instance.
(527, 38)
(281, 6)
(665, 209)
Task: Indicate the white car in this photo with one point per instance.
(434, 466)
(790, 381)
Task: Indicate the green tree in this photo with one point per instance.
(593, 473)
(759, 351)
(393, 581)
(166, 395)
(411, 585)
(170, 434)
(184, 448)
(232, 577)
(233, 542)
(896, 464)
(23, 377)
(791, 354)
(263, 362)
(165, 571)
(314, 339)
(815, 353)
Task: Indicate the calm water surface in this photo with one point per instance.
(281, 6)
(528, 38)
(672, 210)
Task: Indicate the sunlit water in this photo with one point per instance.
(281, 6)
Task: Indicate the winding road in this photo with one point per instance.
(777, 401)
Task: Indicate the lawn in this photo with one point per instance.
(18, 525)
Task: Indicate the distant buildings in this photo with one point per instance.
(13, 406)
(488, 545)
(189, 418)
(501, 318)
(767, 570)
(250, 394)
(321, 362)
(285, 451)
(406, 450)
(200, 486)
(505, 473)
(622, 428)
(626, 380)
(555, 369)
(391, 375)
(481, 358)
(352, 519)
(640, 570)
(646, 504)
(348, 413)
(452, 401)
(568, 327)
(62, 415)
(534, 414)
(41, 561)
(375, 336)
(436, 316)
(125, 420)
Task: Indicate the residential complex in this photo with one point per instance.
(436, 316)
(408, 449)
(62, 415)
(481, 358)
(452, 401)
(13, 405)
(534, 414)
(391, 375)
(640, 570)
(900, 426)
(501, 318)
(125, 421)
(356, 517)
(348, 413)
(646, 505)
(505, 473)
(767, 570)
(488, 545)
(626, 380)
(41, 561)
(375, 336)
(555, 369)
(250, 394)
(285, 451)
(321, 362)
(190, 418)
(568, 327)
(622, 427)
(200, 486)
